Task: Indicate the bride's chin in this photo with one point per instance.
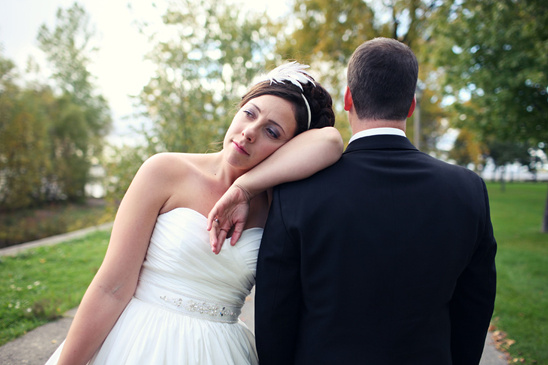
(234, 161)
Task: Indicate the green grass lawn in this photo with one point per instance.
(41, 284)
(521, 307)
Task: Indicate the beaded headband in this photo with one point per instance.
(295, 73)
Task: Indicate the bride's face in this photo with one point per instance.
(258, 129)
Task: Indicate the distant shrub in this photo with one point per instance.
(33, 224)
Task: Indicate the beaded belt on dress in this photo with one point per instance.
(203, 309)
(192, 307)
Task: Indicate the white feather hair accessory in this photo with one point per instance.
(295, 73)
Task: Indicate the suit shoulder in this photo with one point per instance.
(319, 177)
(456, 169)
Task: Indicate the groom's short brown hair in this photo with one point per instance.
(382, 77)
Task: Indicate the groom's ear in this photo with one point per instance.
(412, 107)
(348, 102)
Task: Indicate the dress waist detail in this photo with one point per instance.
(186, 305)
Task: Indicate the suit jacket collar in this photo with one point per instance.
(381, 142)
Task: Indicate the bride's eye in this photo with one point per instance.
(248, 113)
(272, 132)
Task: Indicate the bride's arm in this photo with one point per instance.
(115, 282)
(299, 158)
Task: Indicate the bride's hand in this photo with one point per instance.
(229, 213)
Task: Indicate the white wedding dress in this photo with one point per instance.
(186, 305)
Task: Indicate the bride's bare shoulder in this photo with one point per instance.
(169, 166)
(175, 161)
(176, 174)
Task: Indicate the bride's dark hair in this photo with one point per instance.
(319, 99)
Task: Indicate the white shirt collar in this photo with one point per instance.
(377, 132)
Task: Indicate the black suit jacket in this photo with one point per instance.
(386, 257)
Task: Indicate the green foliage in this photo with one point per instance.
(121, 166)
(39, 285)
(69, 135)
(329, 30)
(521, 307)
(496, 52)
(26, 225)
(24, 142)
(494, 57)
(466, 150)
(432, 113)
(49, 134)
(325, 33)
(503, 153)
(203, 68)
(81, 118)
(68, 50)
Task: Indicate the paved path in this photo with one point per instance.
(35, 347)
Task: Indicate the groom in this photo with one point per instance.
(387, 257)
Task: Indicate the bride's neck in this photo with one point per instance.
(224, 172)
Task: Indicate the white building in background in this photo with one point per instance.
(513, 172)
(96, 187)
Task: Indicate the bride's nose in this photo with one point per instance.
(249, 133)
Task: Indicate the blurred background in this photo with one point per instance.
(90, 89)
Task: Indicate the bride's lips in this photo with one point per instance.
(240, 148)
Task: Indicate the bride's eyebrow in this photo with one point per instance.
(256, 107)
(270, 120)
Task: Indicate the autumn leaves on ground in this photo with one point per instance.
(520, 321)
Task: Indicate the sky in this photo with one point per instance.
(119, 65)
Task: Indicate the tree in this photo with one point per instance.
(495, 54)
(202, 71)
(325, 33)
(505, 153)
(23, 140)
(82, 118)
(466, 150)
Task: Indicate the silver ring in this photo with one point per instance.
(216, 220)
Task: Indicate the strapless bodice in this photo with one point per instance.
(180, 260)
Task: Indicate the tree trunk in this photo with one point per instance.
(545, 220)
(502, 181)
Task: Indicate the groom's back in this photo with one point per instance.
(383, 238)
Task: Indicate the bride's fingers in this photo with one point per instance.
(213, 233)
(220, 240)
(217, 236)
(238, 229)
(211, 217)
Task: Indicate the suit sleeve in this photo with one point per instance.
(278, 291)
(474, 296)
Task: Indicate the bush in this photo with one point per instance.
(32, 224)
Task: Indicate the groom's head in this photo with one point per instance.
(382, 77)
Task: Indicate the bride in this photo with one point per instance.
(161, 296)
